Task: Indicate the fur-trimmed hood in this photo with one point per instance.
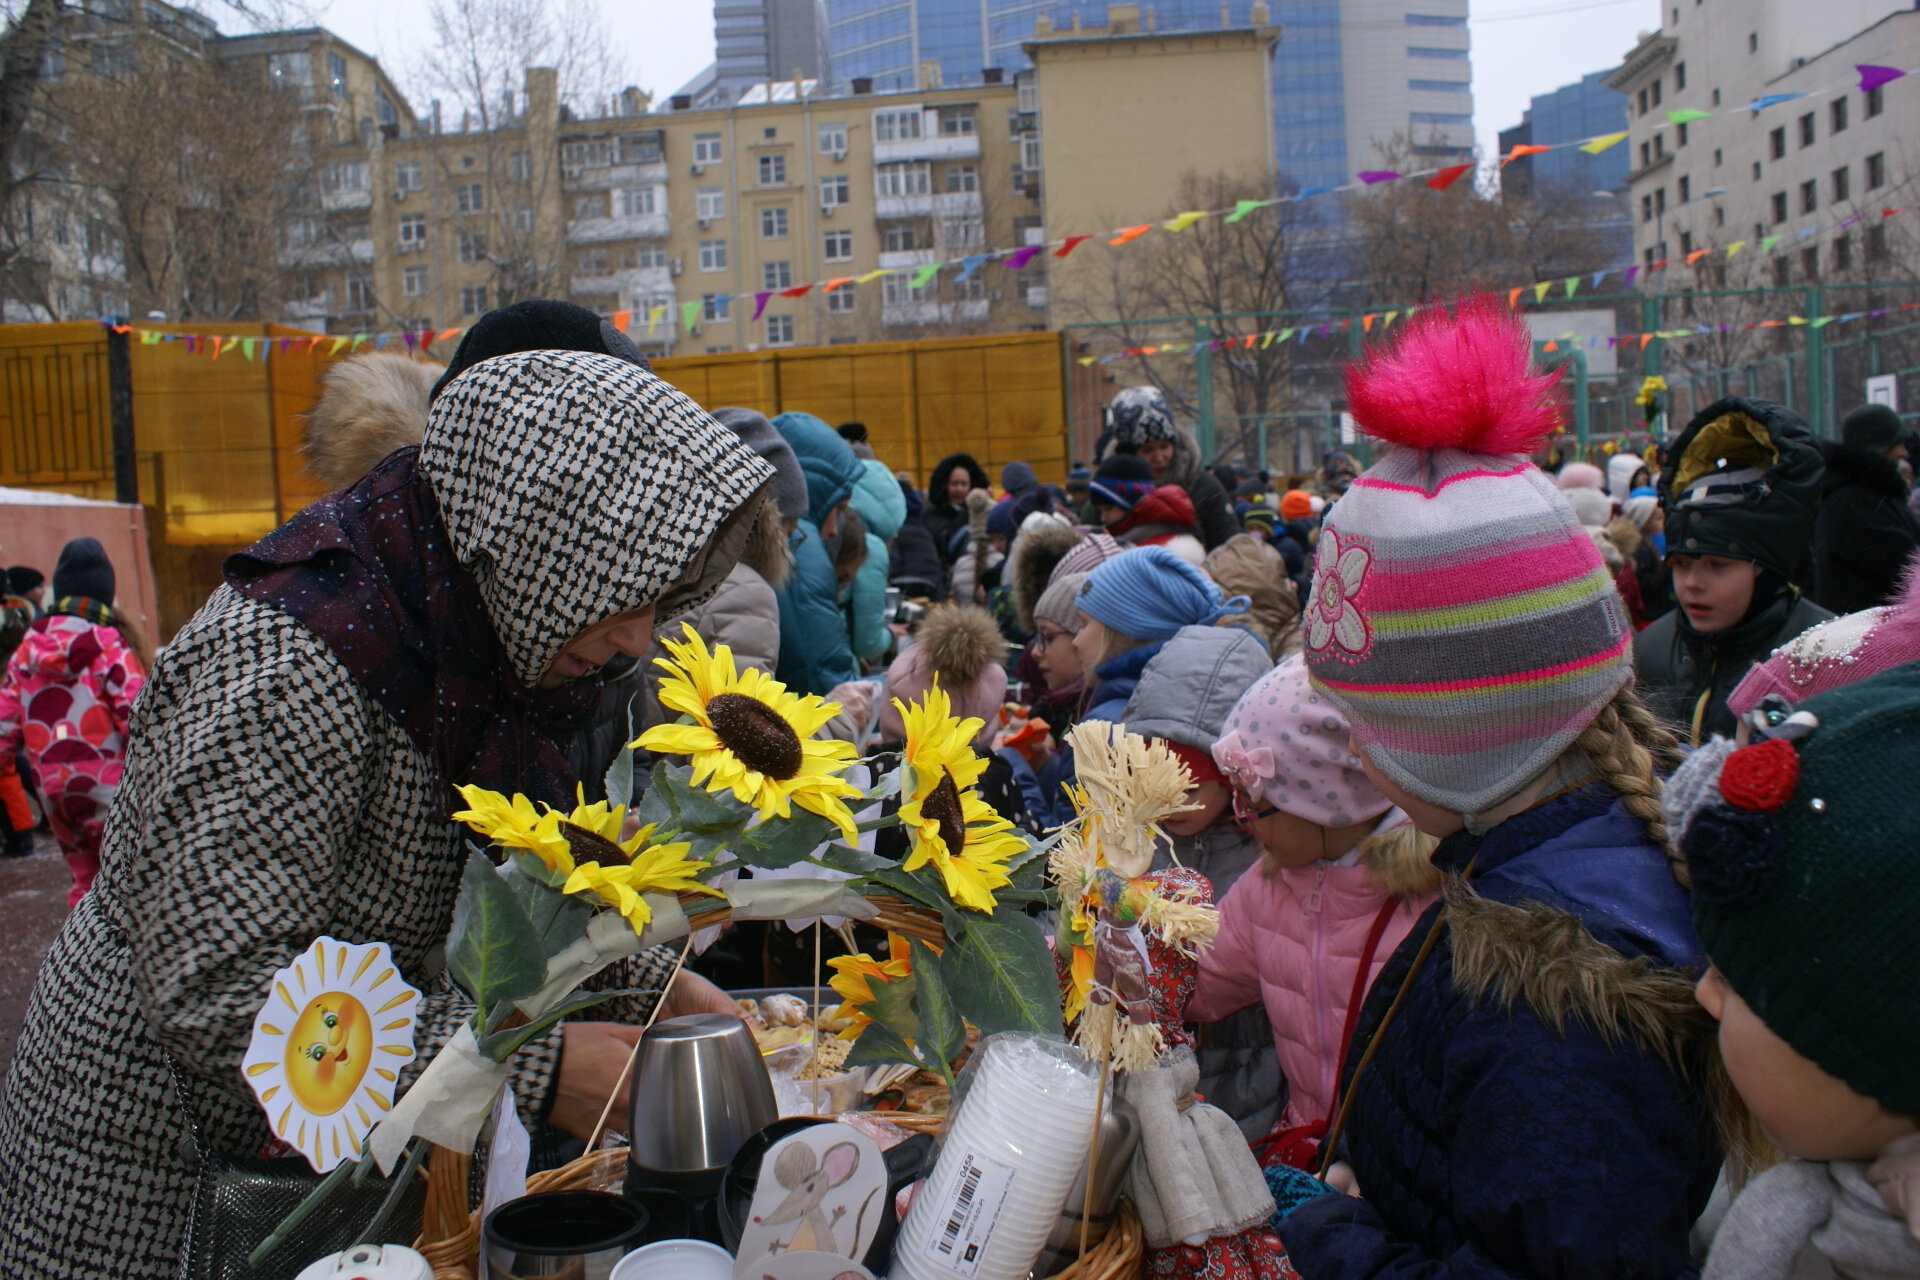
(767, 551)
(1035, 553)
(369, 406)
(1626, 535)
(1401, 859)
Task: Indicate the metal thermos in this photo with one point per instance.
(1112, 1154)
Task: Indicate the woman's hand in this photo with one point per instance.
(1341, 1178)
(691, 993)
(592, 1057)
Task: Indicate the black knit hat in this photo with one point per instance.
(1873, 427)
(537, 326)
(24, 580)
(84, 570)
(1122, 480)
(1743, 481)
(1805, 885)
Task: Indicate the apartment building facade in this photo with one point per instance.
(1791, 147)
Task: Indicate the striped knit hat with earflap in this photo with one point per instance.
(1460, 617)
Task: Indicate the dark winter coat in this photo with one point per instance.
(1685, 676)
(815, 651)
(1212, 507)
(946, 523)
(1533, 1107)
(1864, 534)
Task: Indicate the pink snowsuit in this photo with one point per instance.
(69, 688)
(1293, 940)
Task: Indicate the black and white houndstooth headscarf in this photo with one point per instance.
(576, 487)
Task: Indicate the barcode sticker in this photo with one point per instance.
(972, 1201)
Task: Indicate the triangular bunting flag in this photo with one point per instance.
(1598, 276)
(1131, 233)
(654, 316)
(1521, 150)
(760, 302)
(1372, 176)
(1088, 359)
(218, 342)
(970, 264)
(444, 334)
(1366, 322)
(1768, 243)
(1696, 255)
(1513, 295)
(1736, 247)
(1550, 345)
(1594, 146)
(1284, 335)
(337, 344)
(1766, 100)
(1388, 319)
(689, 313)
(836, 283)
(1571, 283)
(1627, 279)
(871, 276)
(1180, 222)
(1872, 77)
(1241, 208)
(621, 319)
(1540, 290)
(923, 273)
(1068, 245)
(1448, 176)
(1021, 257)
(1687, 115)
(797, 291)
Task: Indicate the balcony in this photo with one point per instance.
(634, 226)
(346, 198)
(932, 312)
(946, 204)
(607, 178)
(336, 254)
(905, 259)
(959, 146)
(633, 282)
(318, 307)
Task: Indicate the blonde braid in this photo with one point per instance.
(1624, 743)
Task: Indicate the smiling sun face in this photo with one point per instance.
(328, 1047)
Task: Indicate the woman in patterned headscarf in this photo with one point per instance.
(291, 771)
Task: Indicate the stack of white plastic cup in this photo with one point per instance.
(1016, 1144)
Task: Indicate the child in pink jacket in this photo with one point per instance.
(68, 691)
(1342, 881)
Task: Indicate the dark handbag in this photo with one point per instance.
(238, 1203)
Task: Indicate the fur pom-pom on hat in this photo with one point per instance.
(369, 406)
(959, 645)
(1459, 380)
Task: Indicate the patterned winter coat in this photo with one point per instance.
(269, 798)
(1537, 1107)
(69, 688)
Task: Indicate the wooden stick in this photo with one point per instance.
(1093, 1150)
(632, 1057)
(813, 1053)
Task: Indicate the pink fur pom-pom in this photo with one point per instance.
(1459, 379)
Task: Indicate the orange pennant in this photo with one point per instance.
(1131, 233)
(621, 319)
(1696, 255)
(835, 283)
(1513, 295)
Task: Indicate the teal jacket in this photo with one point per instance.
(815, 651)
(877, 497)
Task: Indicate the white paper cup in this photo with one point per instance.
(675, 1260)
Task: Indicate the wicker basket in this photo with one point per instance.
(450, 1238)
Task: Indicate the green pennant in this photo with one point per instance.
(925, 272)
(1241, 208)
(689, 312)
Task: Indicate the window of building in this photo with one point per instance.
(1030, 153)
(337, 74)
(634, 202)
(1659, 202)
(1837, 116)
(773, 170)
(1646, 154)
(710, 204)
(972, 289)
(914, 179)
(290, 70)
(638, 148)
(1716, 97)
(413, 232)
(348, 175)
(1680, 133)
(713, 255)
(1435, 20)
(1753, 42)
(1655, 86)
(1719, 216)
(469, 197)
(770, 132)
(962, 177)
(1686, 242)
(1875, 102)
(413, 281)
(523, 218)
(407, 176)
(1842, 253)
(1809, 196)
(706, 148)
(1641, 98)
(473, 299)
(1806, 129)
(590, 206)
(359, 291)
(1428, 51)
(1842, 183)
(1777, 143)
(899, 237)
(1646, 207)
(591, 262)
(1716, 157)
(837, 246)
(898, 289)
(1782, 271)
(896, 126)
(473, 247)
(773, 223)
(779, 331)
(648, 257)
(1810, 263)
(596, 153)
(963, 233)
(833, 139)
(1679, 76)
(520, 166)
(842, 300)
(776, 275)
(1686, 188)
(834, 191)
(956, 122)
(1779, 207)
(1877, 242)
(1438, 86)
(716, 306)
(1439, 117)
(1876, 170)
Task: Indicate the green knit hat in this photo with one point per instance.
(1806, 883)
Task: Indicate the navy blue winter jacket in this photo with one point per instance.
(1115, 680)
(1489, 1141)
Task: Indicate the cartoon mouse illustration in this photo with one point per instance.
(807, 1185)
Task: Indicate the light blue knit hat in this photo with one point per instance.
(1149, 593)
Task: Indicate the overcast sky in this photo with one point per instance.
(1520, 47)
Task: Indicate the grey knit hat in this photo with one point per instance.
(759, 435)
(1057, 603)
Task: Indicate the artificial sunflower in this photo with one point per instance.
(860, 981)
(947, 821)
(750, 736)
(661, 868)
(590, 833)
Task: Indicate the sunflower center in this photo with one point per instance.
(591, 846)
(756, 733)
(943, 806)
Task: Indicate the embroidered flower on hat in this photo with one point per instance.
(1731, 855)
(1761, 777)
(1333, 617)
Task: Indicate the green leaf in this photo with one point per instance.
(941, 1030)
(906, 884)
(878, 1046)
(619, 779)
(558, 919)
(781, 842)
(1002, 976)
(499, 1044)
(696, 810)
(839, 857)
(893, 1005)
(494, 951)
